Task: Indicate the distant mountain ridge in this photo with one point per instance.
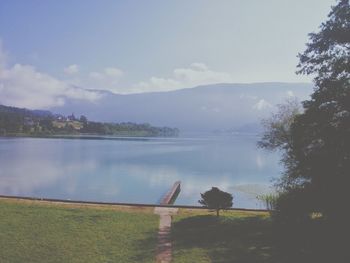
(24, 111)
(220, 107)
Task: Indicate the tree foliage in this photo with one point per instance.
(278, 136)
(316, 142)
(216, 199)
(277, 127)
(327, 53)
(321, 136)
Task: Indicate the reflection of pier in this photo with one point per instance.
(172, 194)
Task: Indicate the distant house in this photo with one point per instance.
(71, 117)
(59, 117)
(28, 121)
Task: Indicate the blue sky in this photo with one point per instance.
(156, 45)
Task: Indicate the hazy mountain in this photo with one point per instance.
(219, 107)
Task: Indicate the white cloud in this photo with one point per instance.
(25, 86)
(113, 72)
(199, 66)
(107, 79)
(262, 105)
(96, 75)
(195, 75)
(290, 93)
(72, 69)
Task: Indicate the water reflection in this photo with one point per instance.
(135, 171)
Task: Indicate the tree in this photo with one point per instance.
(278, 127)
(327, 53)
(216, 199)
(321, 136)
(317, 142)
(278, 136)
(83, 119)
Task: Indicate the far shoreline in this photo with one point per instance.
(87, 137)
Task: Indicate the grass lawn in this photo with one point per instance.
(233, 237)
(248, 237)
(32, 231)
(42, 232)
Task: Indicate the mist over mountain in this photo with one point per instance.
(219, 107)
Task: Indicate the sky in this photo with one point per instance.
(47, 48)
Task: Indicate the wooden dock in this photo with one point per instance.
(170, 197)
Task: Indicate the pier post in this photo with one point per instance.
(172, 194)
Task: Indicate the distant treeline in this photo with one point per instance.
(23, 122)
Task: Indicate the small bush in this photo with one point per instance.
(216, 199)
(269, 201)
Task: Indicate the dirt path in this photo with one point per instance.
(164, 240)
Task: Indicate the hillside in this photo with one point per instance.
(16, 121)
(219, 107)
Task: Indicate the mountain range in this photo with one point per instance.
(218, 107)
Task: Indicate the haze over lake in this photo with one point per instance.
(138, 170)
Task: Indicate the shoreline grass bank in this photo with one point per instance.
(36, 231)
(46, 231)
(68, 201)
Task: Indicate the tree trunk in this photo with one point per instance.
(217, 212)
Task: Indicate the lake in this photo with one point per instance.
(137, 170)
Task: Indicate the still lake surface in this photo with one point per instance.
(138, 170)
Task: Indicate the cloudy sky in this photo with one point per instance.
(49, 47)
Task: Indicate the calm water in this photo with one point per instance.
(136, 170)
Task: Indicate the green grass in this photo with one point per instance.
(233, 237)
(249, 237)
(32, 232)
